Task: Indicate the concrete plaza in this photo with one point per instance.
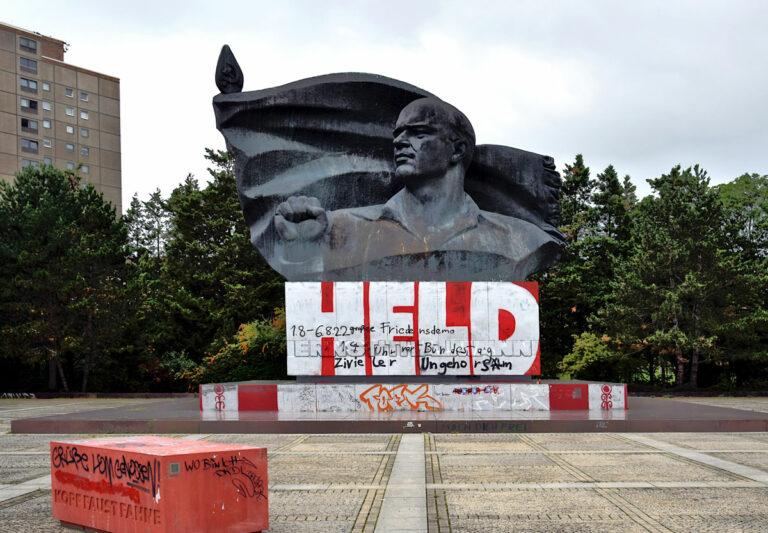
(459, 482)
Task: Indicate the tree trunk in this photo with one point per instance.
(52, 381)
(88, 362)
(61, 374)
(695, 368)
(680, 368)
(651, 369)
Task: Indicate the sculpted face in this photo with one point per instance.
(422, 141)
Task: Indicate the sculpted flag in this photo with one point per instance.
(330, 137)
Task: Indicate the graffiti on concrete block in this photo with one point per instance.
(16, 396)
(400, 398)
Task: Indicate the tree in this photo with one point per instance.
(596, 223)
(62, 273)
(670, 296)
(211, 279)
(745, 337)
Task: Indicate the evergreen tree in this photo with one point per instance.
(670, 295)
(212, 280)
(62, 273)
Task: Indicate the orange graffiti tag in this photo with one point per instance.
(399, 397)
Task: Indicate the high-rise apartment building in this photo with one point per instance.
(58, 114)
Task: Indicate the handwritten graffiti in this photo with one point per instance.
(606, 397)
(17, 396)
(487, 389)
(242, 471)
(400, 397)
(527, 402)
(219, 402)
(144, 476)
(69, 455)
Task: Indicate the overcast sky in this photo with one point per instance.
(642, 85)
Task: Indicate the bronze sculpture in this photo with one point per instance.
(326, 202)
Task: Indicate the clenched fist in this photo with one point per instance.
(300, 218)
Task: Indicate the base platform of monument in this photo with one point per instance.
(183, 415)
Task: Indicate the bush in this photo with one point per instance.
(257, 352)
(593, 358)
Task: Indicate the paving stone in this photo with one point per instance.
(712, 441)
(543, 525)
(29, 443)
(700, 501)
(270, 442)
(327, 510)
(349, 447)
(581, 441)
(32, 515)
(641, 467)
(481, 443)
(348, 438)
(548, 502)
(19, 468)
(300, 469)
(755, 460)
(510, 468)
(750, 523)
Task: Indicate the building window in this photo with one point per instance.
(46, 86)
(85, 151)
(85, 132)
(69, 92)
(47, 143)
(46, 123)
(84, 115)
(28, 85)
(85, 169)
(28, 145)
(29, 163)
(29, 105)
(70, 129)
(47, 105)
(84, 96)
(48, 160)
(69, 111)
(69, 147)
(28, 124)
(28, 45)
(70, 165)
(28, 65)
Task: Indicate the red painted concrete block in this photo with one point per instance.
(159, 484)
(256, 397)
(568, 396)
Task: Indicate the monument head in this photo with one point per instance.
(432, 138)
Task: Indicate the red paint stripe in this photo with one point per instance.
(458, 312)
(328, 357)
(256, 397)
(367, 328)
(535, 368)
(412, 310)
(626, 397)
(568, 397)
(326, 300)
(416, 326)
(530, 286)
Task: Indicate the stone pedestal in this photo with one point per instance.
(159, 484)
